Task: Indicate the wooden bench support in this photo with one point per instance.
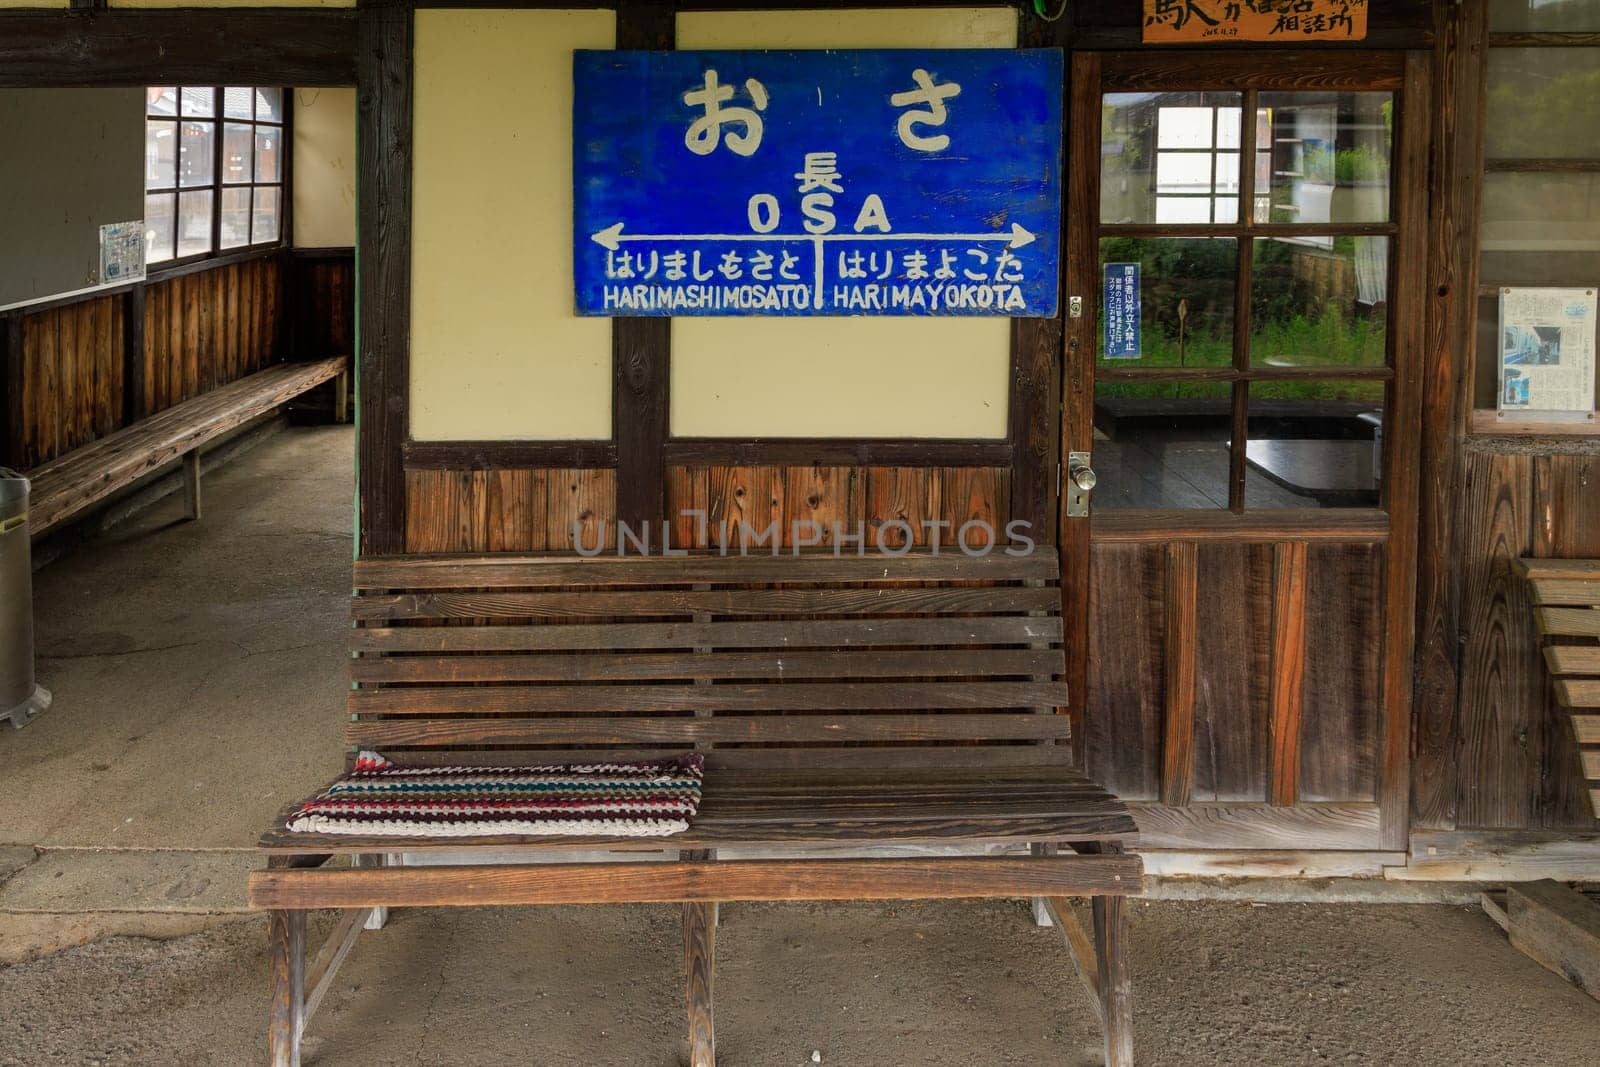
(1113, 979)
(699, 957)
(191, 484)
(341, 398)
(286, 939)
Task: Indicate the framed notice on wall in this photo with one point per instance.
(1547, 357)
(1194, 21)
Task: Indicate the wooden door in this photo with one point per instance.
(1246, 577)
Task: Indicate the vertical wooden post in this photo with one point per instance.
(699, 954)
(191, 483)
(1116, 986)
(286, 936)
(341, 398)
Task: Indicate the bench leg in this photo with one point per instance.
(191, 483)
(341, 397)
(699, 954)
(1116, 987)
(286, 935)
(380, 915)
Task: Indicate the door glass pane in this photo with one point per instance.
(266, 215)
(1314, 444)
(238, 153)
(1159, 156)
(269, 105)
(158, 217)
(235, 217)
(194, 154)
(194, 223)
(199, 102)
(1329, 156)
(160, 155)
(1319, 302)
(1511, 16)
(1186, 297)
(238, 102)
(161, 100)
(268, 138)
(1541, 103)
(1162, 444)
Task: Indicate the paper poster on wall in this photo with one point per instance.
(1547, 357)
(1190, 21)
(1124, 338)
(863, 182)
(121, 252)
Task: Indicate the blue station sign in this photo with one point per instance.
(817, 183)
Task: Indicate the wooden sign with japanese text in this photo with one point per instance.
(817, 183)
(1191, 21)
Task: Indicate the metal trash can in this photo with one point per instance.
(21, 700)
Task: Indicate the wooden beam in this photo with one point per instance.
(663, 883)
(286, 940)
(699, 958)
(384, 177)
(1258, 826)
(138, 48)
(508, 455)
(1341, 526)
(1288, 672)
(1181, 640)
(1558, 928)
(837, 451)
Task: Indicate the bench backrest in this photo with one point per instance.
(760, 661)
(1566, 595)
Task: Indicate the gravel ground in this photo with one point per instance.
(863, 984)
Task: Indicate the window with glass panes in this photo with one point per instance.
(1264, 360)
(214, 169)
(1539, 223)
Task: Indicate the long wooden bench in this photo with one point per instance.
(67, 486)
(844, 706)
(1566, 597)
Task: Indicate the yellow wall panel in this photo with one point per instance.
(862, 377)
(497, 352)
(324, 168)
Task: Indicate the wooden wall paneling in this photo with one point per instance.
(13, 367)
(909, 495)
(1339, 744)
(155, 343)
(581, 503)
(67, 402)
(1457, 147)
(195, 358)
(1500, 680)
(686, 505)
(133, 354)
(449, 511)
(1287, 697)
(1180, 639)
(834, 498)
(745, 502)
(1126, 644)
(1233, 684)
(517, 504)
(384, 207)
(1565, 489)
(42, 387)
(977, 495)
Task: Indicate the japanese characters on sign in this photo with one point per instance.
(1168, 21)
(817, 183)
(1124, 339)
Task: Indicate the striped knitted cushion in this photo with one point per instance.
(653, 798)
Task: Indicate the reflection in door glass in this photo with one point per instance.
(1161, 444)
(1329, 156)
(1186, 299)
(1314, 444)
(1319, 301)
(1170, 158)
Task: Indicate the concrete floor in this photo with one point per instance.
(198, 676)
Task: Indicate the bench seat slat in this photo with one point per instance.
(1579, 692)
(785, 729)
(976, 756)
(1573, 659)
(1559, 568)
(528, 572)
(821, 633)
(688, 665)
(1569, 622)
(1572, 592)
(655, 603)
(798, 696)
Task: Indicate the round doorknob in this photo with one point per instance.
(1084, 478)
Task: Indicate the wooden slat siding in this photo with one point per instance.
(1289, 582)
(834, 498)
(812, 634)
(1501, 693)
(1395, 621)
(1233, 650)
(1177, 742)
(322, 303)
(68, 485)
(1341, 526)
(1126, 643)
(69, 380)
(13, 401)
(979, 496)
(383, 121)
(910, 495)
(649, 603)
(557, 571)
(1339, 744)
(507, 510)
(516, 505)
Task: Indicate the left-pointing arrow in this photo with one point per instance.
(610, 237)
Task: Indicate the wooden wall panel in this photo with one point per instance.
(1341, 700)
(210, 328)
(72, 378)
(1233, 668)
(509, 510)
(324, 306)
(1126, 667)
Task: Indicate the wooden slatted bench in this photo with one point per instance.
(67, 486)
(842, 704)
(1566, 597)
